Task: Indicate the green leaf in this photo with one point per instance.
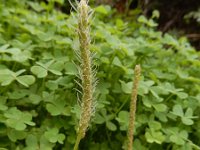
(17, 119)
(119, 23)
(57, 107)
(45, 144)
(123, 119)
(103, 87)
(160, 107)
(60, 1)
(56, 72)
(155, 14)
(178, 137)
(98, 119)
(126, 87)
(142, 19)
(45, 36)
(18, 94)
(177, 140)
(40, 72)
(56, 67)
(36, 6)
(3, 105)
(177, 110)
(31, 142)
(63, 41)
(154, 125)
(15, 135)
(155, 136)
(187, 121)
(52, 85)
(71, 68)
(189, 112)
(144, 87)
(138, 145)
(34, 98)
(26, 80)
(111, 126)
(161, 116)
(182, 95)
(53, 136)
(6, 77)
(117, 62)
(101, 9)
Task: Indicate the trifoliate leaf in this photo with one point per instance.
(54, 136)
(17, 119)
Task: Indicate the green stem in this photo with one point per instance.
(78, 139)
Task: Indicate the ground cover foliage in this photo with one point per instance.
(38, 101)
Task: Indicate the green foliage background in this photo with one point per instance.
(38, 101)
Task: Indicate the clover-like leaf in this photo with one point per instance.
(126, 87)
(117, 62)
(144, 87)
(103, 87)
(54, 136)
(26, 80)
(178, 110)
(45, 143)
(160, 107)
(17, 119)
(154, 136)
(98, 119)
(34, 98)
(58, 66)
(138, 145)
(39, 71)
(155, 125)
(101, 9)
(3, 105)
(57, 107)
(103, 117)
(123, 119)
(185, 117)
(71, 68)
(48, 36)
(187, 121)
(31, 142)
(6, 77)
(15, 135)
(111, 126)
(178, 137)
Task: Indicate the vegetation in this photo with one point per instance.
(39, 109)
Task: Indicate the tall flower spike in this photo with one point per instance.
(133, 102)
(86, 70)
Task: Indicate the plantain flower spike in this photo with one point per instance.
(86, 72)
(133, 102)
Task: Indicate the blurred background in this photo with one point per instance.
(182, 17)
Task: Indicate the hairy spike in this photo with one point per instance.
(72, 5)
(133, 106)
(86, 72)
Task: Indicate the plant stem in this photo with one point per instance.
(133, 107)
(78, 139)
